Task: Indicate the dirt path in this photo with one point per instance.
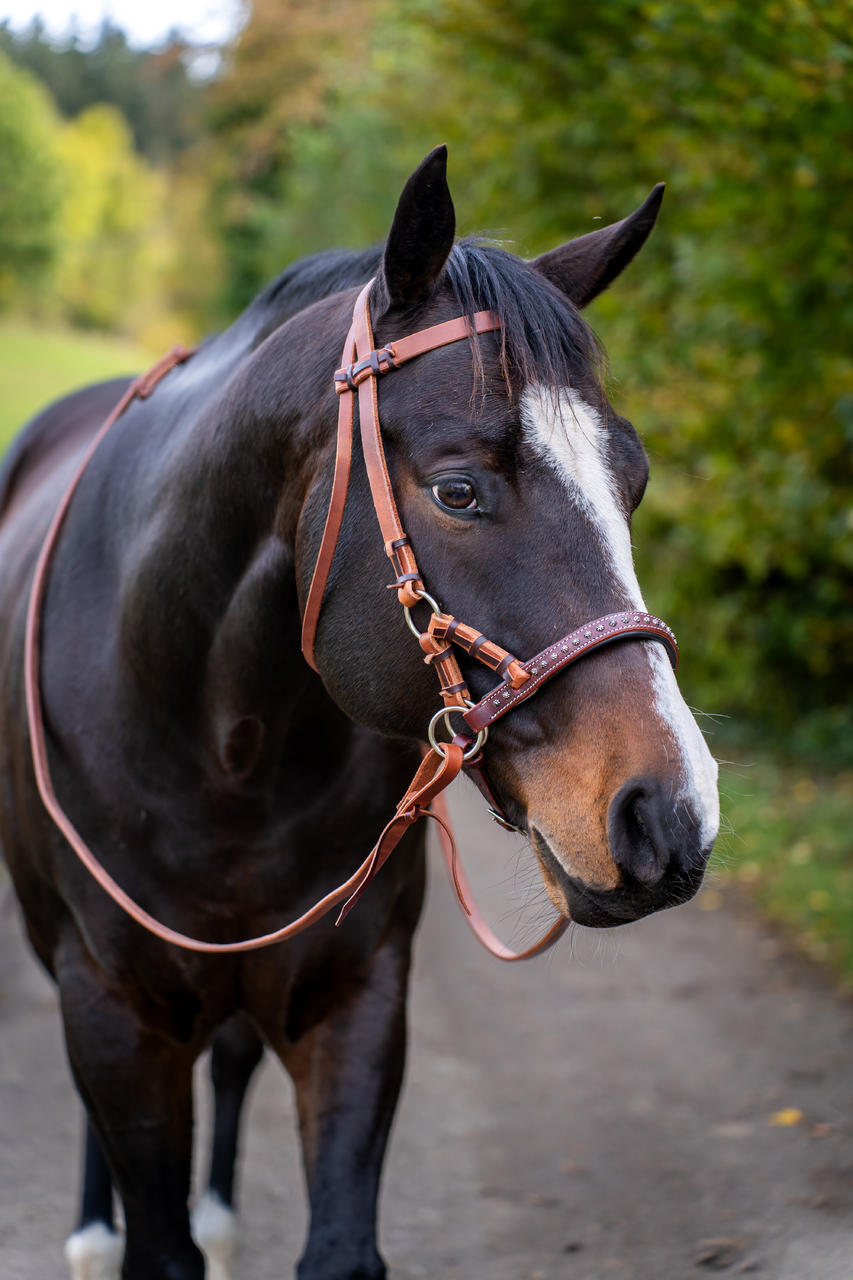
(601, 1113)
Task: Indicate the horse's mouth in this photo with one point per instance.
(610, 907)
(605, 909)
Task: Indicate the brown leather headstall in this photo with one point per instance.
(361, 367)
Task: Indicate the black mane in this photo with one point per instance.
(544, 338)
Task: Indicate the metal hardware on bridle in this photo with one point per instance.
(443, 715)
(407, 612)
(362, 366)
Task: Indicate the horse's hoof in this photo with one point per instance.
(215, 1231)
(94, 1253)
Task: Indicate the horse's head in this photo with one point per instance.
(516, 481)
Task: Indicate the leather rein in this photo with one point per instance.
(362, 365)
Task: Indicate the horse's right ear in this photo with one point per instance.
(421, 234)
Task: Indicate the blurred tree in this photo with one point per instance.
(29, 189)
(277, 86)
(115, 245)
(733, 334)
(152, 88)
(89, 231)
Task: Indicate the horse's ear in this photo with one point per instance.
(584, 268)
(421, 234)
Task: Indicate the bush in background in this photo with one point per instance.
(29, 184)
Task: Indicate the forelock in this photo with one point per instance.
(544, 339)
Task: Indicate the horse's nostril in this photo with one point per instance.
(640, 832)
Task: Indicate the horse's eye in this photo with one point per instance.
(455, 493)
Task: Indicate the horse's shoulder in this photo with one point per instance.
(63, 427)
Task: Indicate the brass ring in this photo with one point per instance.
(427, 599)
(444, 713)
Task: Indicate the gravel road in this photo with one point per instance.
(655, 1103)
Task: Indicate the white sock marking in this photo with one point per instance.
(214, 1228)
(94, 1253)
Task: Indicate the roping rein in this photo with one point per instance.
(443, 761)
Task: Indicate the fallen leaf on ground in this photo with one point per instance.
(786, 1118)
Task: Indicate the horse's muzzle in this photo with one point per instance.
(607, 908)
(657, 850)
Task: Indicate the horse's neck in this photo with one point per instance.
(209, 594)
(300, 285)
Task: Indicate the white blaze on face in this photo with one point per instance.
(569, 435)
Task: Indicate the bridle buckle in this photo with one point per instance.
(372, 366)
(502, 821)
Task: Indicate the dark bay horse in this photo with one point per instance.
(227, 786)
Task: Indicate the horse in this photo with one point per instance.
(226, 784)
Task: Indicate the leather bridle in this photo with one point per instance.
(362, 366)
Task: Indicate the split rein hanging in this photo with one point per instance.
(362, 365)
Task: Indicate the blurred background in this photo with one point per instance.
(153, 178)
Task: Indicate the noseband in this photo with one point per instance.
(362, 366)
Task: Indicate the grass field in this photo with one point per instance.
(789, 830)
(787, 840)
(38, 365)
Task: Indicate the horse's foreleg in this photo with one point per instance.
(237, 1050)
(347, 1071)
(137, 1086)
(94, 1251)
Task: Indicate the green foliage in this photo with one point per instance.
(152, 88)
(110, 212)
(731, 338)
(89, 231)
(29, 190)
(279, 81)
(789, 847)
(732, 335)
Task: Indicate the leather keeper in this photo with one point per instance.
(445, 627)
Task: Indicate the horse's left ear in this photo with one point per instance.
(584, 268)
(421, 234)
